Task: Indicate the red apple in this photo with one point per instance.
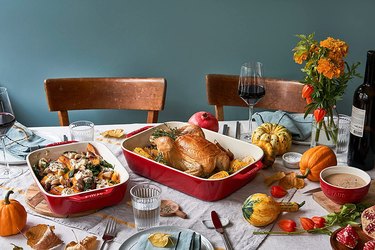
(205, 120)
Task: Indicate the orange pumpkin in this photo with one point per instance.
(12, 216)
(314, 160)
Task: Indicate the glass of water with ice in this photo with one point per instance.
(146, 205)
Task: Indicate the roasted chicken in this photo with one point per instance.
(192, 153)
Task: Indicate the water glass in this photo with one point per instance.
(343, 135)
(82, 131)
(146, 205)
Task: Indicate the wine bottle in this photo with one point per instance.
(361, 149)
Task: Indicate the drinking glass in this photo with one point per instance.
(82, 131)
(146, 205)
(7, 120)
(251, 90)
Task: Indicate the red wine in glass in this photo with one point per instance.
(6, 122)
(252, 94)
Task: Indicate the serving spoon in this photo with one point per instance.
(171, 208)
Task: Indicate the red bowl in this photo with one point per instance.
(342, 195)
(201, 188)
(84, 201)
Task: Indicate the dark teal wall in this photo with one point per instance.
(179, 40)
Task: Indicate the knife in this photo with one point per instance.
(192, 242)
(219, 228)
(311, 191)
(238, 130)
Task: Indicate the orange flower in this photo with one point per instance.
(329, 68)
(299, 57)
(338, 48)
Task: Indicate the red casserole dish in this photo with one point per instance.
(204, 189)
(87, 200)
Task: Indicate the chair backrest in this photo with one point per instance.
(280, 94)
(65, 94)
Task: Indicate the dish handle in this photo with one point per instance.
(257, 166)
(138, 131)
(93, 196)
(59, 143)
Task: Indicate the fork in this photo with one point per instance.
(109, 232)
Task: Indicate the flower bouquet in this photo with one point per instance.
(327, 76)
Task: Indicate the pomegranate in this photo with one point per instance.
(205, 120)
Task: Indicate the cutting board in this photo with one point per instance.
(330, 206)
(35, 200)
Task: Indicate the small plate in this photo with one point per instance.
(14, 160)
(305, 142)
(132, 241)
(209, 224)
(363, 238)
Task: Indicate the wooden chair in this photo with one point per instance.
(65, 94)
(280, 94)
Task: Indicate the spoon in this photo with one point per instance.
(171, 208)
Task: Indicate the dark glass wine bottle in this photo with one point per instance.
(361, 150)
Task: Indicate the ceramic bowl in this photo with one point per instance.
(342, 195)
(292, 159)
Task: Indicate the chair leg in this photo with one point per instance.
(63, 118)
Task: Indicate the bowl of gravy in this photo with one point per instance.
(344, 184)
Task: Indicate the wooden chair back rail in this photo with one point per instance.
(280, 94)
(66, 94)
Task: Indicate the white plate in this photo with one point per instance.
(132, 241)
(14, 160)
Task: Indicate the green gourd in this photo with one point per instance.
(261, 210)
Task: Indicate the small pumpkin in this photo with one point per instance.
(314, 160)
(12, 216)
(276, 135)
(261, 210)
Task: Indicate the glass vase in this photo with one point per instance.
(325, 132)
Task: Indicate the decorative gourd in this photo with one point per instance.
(314, 160)
(261, 210)
(277, 135)
(12, 216)
(269, 156)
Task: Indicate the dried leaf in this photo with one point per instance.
(115, 133)
(15, 247)
(275, 177)
(42, 237)
(88, 243)
(291, 181)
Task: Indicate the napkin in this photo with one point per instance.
(20, 141)
(184, 241)
(299, 127)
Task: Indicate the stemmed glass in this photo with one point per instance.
(7, 120)
(251, 90)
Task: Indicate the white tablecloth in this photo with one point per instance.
(239, 231)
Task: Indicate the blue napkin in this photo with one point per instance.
(299, 127)
(20, 141)
(184, 242)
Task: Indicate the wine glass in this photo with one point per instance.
(251, 90)
(7, 120)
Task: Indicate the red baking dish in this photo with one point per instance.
(84, 201)
(204, 189)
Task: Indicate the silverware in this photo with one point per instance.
(219, 228)
(225, 129)
(109, 232)
(311, 191)
(192, 242)
(178, 239)
(238, 130)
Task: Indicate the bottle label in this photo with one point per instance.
(358, 121)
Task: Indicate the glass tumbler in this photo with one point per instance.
(82, 131)
(146, 205)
